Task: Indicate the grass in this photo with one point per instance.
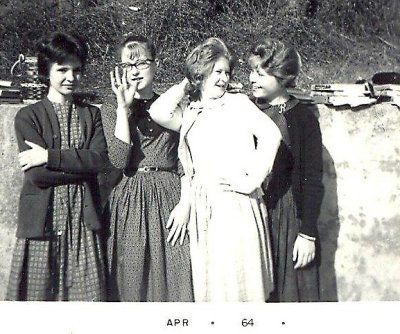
(339, 41)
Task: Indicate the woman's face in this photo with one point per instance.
(65, 77)
(215, 84)
(263, 85)
(141, 69)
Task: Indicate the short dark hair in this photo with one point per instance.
(137, 43)
(278, 59)
(57, 48)
(200, 63)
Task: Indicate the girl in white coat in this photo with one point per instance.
(221, 203)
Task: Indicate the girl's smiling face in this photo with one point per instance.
(263, 85)
(65, 77)
(215, 84)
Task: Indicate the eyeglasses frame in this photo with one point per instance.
(146, 62)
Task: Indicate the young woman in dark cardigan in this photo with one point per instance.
(58, 255)
(294, 190)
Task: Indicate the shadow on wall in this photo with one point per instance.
(328, 227)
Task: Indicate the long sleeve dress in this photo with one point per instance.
(229, 239)
(59, 257)
(294, 196)
(143, 266)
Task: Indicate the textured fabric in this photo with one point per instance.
(37, 265)
(67, 265)
(38, 124)
(152, 145)
(285, 214)
(143, 266)
(229, 239)
(299, 165)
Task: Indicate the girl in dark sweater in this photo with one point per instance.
(294, 191)
(57, 254)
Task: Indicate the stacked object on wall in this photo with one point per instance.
(343, 94)
(301, 95)
(388, 94)
(387, 87)
(33, 90)
(9, 93)
(31, 87)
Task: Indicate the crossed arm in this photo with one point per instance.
(50, 167)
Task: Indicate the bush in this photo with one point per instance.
(325, 33)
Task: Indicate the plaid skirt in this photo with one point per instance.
(44, 270)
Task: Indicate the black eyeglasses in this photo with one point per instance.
(140, 65)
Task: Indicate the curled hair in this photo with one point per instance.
(57, 48)
(137, 45)
(200, 63)
(278, 59)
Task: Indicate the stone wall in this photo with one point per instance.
(359, 223)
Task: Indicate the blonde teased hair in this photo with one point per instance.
(200, 63)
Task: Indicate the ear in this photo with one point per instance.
(157, 62)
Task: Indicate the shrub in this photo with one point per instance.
(325, 33)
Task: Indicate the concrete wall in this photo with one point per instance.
(360, 219)
(359, 223)
(10, 184)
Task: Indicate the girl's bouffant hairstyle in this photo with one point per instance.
(57, 48)
(137, 45)
(200, 63)
(279, 59)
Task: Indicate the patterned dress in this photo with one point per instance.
(67, 264)
(142, 265)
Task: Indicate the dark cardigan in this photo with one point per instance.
(299, 166)
(38, 123)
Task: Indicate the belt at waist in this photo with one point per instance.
(146, 169)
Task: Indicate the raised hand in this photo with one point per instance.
(185, 86)
(121, 88)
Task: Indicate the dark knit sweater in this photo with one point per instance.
(38, 123)
(298, 164)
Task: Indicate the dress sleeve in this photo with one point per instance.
(83, 161)
(26, 129)
(118, 150)
(311, 166)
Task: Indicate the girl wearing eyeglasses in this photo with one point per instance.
(143, 266)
